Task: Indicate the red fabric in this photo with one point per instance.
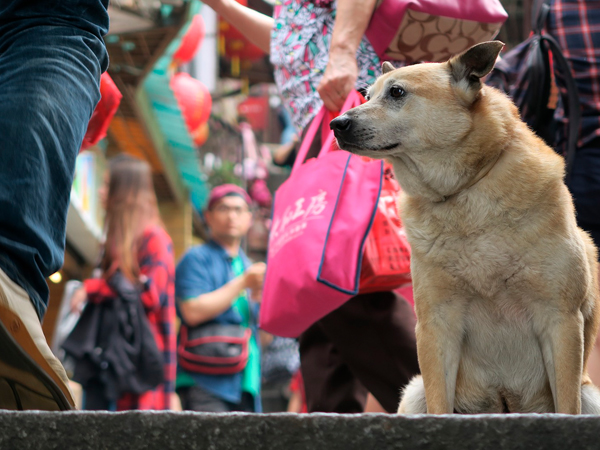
(297, 385)
(155, 257)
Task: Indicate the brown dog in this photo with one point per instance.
(505, 283)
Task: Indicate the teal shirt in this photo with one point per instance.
(251, 375)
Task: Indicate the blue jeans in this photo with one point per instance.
(51, 58)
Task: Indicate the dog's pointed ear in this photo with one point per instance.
(387, 67)
(469, 67)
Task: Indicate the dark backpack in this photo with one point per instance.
(525, 74)
(112, 344)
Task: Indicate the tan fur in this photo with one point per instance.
(505, 283)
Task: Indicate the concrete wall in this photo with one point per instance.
(181, 431)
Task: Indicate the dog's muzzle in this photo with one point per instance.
(341, 126)
(343, 130)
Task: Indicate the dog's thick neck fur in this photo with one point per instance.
(446, 177)
(427, 178)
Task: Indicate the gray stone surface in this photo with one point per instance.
(180, 431)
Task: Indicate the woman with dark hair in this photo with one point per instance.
(138, 247)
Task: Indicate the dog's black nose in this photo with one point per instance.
(341, 124)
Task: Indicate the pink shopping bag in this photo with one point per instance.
(432, 30)
(322, 215)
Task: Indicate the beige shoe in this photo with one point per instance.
(30, 375)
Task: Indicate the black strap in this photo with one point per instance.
(539, 17)
(574, 107)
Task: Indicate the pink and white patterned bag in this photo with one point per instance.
(432, 30)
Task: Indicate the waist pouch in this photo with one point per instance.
(214, 349)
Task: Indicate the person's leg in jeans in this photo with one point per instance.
(51, 58)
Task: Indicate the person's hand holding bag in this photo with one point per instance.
(341, 73)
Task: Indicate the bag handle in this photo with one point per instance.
(539, 14)
(573, 104)
(539, 17)
(354, 99)
(308, 139)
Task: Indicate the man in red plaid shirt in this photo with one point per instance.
(576, 26)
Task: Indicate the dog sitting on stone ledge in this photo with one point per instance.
(505, 283)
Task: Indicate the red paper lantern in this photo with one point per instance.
(110, 98)
(200, 134)
(193, 99)
(191, 40)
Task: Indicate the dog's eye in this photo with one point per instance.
(397, 91)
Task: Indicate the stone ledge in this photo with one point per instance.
(181, 431)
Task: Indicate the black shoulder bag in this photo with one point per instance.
(525, 74)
